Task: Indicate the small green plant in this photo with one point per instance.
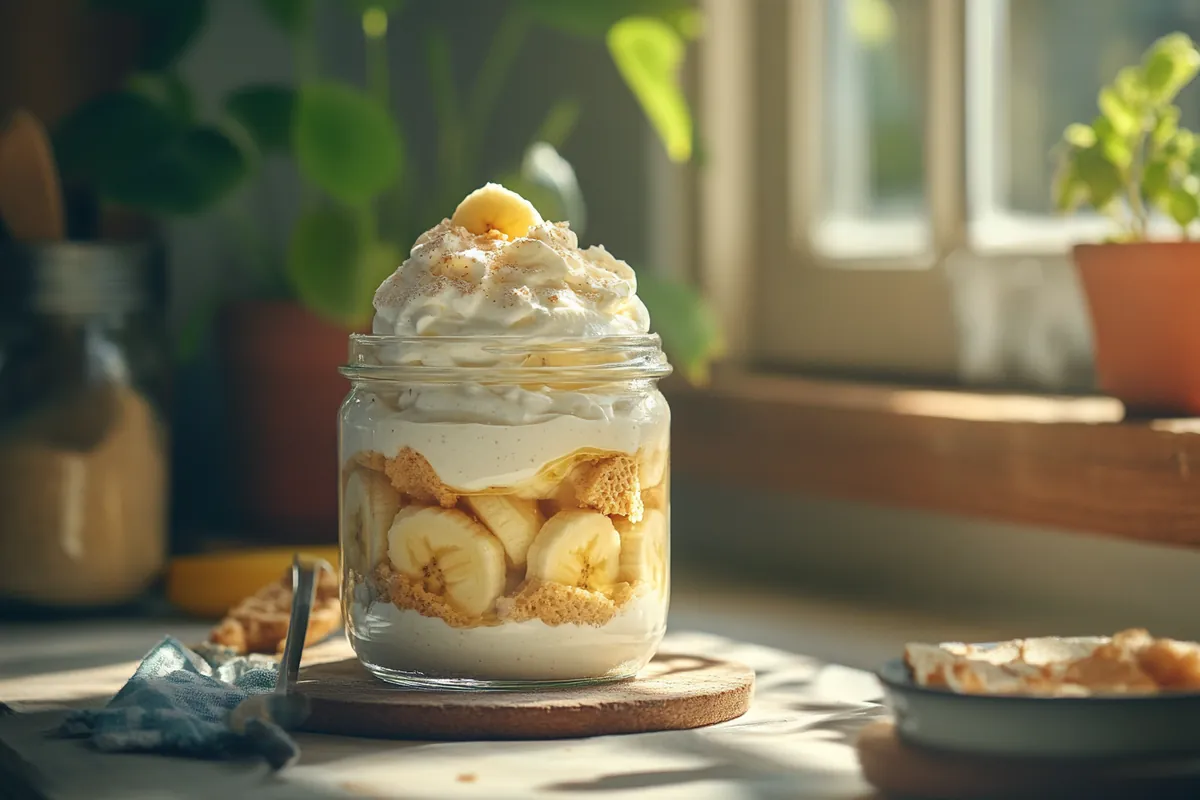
(365, 199)
(1134, 157)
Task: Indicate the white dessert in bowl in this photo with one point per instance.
(504, 492)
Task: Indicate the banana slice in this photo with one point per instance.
(450, 555)
(370, 505)
(513, 520)
(576, 548)
(652, 465)
(644, 549)
(494, 208)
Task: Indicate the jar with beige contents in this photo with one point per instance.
(83, 450)
(504, 451)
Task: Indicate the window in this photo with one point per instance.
(873, 109)
(883, 140)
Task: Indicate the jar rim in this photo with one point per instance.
(508, 357)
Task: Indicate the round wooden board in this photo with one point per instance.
(674, 692)
(901, 770)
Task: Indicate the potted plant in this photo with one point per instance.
(1134, 163)
(364, 202)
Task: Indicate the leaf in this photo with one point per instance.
(1117, 152)
(266, 112)
(167, 90)
(560, 121)
(544, 167)
(1184, 203)
(1181, 146)
(648, 54)
(1078, 135)
(1169, 65)
(1130, 87)
(1166, 125)
(689, 329)
(323, 261)
(1124, 120)
(345, 142)
(1101, 177)
(593, 18)
(1069, 191)
(189, 175)
(1156, 179)
(1112, 143)
(290, 16)
(107, 134)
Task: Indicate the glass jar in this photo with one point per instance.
(83, 462)
(504, 509)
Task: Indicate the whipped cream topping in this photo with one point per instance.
(542, 285)
(503, 273)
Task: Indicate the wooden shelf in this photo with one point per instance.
(1061, 462)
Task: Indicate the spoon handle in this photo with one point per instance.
(304, 590)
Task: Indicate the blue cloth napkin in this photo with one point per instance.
(178, 702)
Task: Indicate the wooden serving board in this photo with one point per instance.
(900, 770)
(674, 692)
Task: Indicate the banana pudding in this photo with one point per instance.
(505, 461)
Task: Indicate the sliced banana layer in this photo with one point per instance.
(494, 208)
(513, 520)
(369, 505)
(449, 555)
(644, 555)
(578, 548)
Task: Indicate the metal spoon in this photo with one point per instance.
(284, 706)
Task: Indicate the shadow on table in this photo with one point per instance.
(757, 775)
(678, 663)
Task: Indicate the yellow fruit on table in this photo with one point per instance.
(209, 584)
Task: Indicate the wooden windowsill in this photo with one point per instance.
(1072, 463)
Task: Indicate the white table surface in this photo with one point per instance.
(796, 741)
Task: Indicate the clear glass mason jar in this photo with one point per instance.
(504, 508)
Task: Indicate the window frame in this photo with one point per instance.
(759, 242)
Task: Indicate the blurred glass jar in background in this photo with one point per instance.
(83, 452)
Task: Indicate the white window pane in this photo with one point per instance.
(875, 87)
(1058, 55)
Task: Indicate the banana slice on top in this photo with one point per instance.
(513, 520)
(494, 208)
(370, 504)
(449, 555)
(644, 554)
(577, 547)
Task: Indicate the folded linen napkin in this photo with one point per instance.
(178, 701)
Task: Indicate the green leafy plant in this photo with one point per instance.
(146, 147)
(1134, 157)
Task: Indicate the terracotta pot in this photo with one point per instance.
(283, 392)
(1145, 326)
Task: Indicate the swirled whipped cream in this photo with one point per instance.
(497, 268)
